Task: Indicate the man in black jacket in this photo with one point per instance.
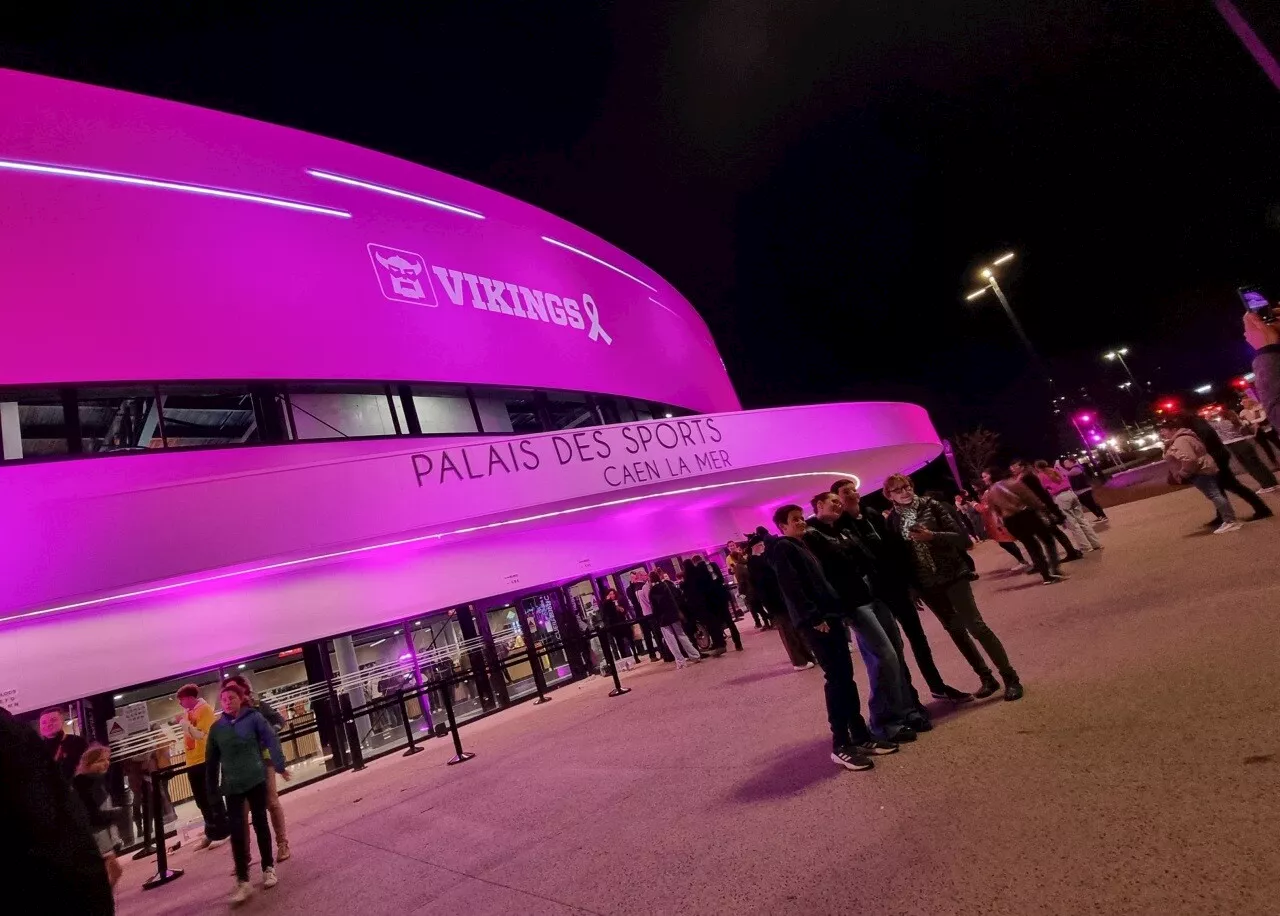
(889, 560)
(818, 614)
(896, 713)
(764, 582)
(1027, 475)
(1227, 480)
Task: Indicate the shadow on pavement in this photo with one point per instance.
(760, 676)
(793, 770)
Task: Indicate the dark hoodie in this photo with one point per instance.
(809, 597)
(841, 562)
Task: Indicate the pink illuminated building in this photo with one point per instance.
(275, 404)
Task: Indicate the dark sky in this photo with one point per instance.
(819, 178)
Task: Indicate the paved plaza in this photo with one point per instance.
(1139, 774)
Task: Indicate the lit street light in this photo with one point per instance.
(1120, 354)
(990, 276)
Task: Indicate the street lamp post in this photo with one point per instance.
(1120, 354)
(988, 274)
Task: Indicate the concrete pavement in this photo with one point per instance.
(1138, 775)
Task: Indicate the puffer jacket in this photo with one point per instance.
(1187, 456)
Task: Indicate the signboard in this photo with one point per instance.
(134, 718)
(9, 699)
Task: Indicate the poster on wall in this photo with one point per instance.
(9, 699)
(134, 718)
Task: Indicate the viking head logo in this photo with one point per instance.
(401, 275)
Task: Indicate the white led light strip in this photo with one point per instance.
(302, 561)
(137, 181)
(591, 257)
(394, 192)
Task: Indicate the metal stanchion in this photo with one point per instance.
(164, 874)
(353, 734)
(539, 682)
(460, 756)
(408, 732)
(148, 847)
(618, 690)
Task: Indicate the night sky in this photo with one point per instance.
(820, 178)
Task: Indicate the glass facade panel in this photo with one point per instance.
(566, 410)
(198, 416)
(32, 425)
(509, 411)
(341, 414)
(118, 420)
(443, 410)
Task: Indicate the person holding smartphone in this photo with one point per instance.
(1264, 337)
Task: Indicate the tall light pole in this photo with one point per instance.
(989, 275)
(1120, 354)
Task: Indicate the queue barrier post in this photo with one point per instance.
(353, 735)
(539, 681)
(148, 846)
(460, 756)
(618, 690)
(408, 731)
(164, 874)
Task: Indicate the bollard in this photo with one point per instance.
(461, 756)
(408, 732)
(618, 690)
(353, 736)
(164, 874)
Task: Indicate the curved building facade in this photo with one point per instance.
(275, 404)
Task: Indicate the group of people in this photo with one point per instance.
(56, 796)
(839, 574)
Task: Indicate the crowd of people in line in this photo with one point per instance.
(61, 817)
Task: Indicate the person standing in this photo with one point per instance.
(738, 567)
(638, 593)
(1026, 474)
(274, 808)
(1083, 488)
(1058, 486)
(667, 602)
(1190, 462)
(90, 783)
(940, 576)
(1236, 439)
(711, 601)
(1000, 534)
(1264, 434)
(64, 749)
(1023, 514)
(1228, 482)
(46, 843)
(234, 768)
(765, 584)
(895, 711)
(818, 613)
(889, 561)
(618, 624)
(198, 717)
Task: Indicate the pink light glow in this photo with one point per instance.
(1084, 418)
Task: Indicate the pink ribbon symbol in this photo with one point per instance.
(593, 315)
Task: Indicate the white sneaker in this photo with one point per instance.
(1228, 526)
(269, 879)
(243, 891)
(805, 667)
(1274, 489)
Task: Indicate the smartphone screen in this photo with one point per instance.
(1256, 301)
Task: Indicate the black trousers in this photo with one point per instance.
(844, 709)
(653, 643)
(1244, 452)
(255, 802)
(1012, 550)
(1090, 502)
(904, 609)
(958, 612)
(1035, 535)
(759, 613)
(717, 620)
(210, 805)
(1231, 484)
(1266, 438)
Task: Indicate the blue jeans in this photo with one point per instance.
(890, 702)
(1208, 485)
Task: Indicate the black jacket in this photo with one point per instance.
(946, 551)
(1032, 483)
(891, 555)
(842, 562)
(66, 751)
(45, 844)
(667, 603)
(764, 584)
(611, 613)
(808, 595)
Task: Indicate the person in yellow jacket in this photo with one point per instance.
(196, 721)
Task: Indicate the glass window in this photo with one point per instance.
(443, 410)
(567, 410)
(341, 413)
(508, 411)
(195, 416)
(642, 410)
(118, 420)
(32, 425)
